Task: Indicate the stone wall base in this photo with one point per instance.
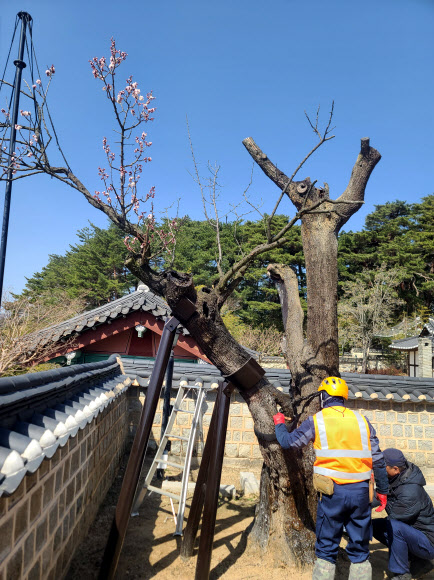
(47, 517)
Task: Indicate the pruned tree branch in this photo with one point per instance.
(292, 313)
(278, 177)
(355, 191)
(282, 181)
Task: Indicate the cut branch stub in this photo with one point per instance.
(185, 309)
(364, 146)
(292, 313)
(302, 188)
(355, 190)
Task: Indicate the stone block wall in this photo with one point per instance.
(241, 449)
(425, 352)
(47, 517)
(405, 425)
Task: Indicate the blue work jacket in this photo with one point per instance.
(306, 433)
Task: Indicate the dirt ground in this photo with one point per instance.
(151, 551)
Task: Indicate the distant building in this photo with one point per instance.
(420, 351)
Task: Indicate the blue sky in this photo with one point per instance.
(237, 69)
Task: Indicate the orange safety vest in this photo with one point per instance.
(342, 445)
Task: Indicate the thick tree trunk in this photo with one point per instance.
(311, 359)
(366, 348)
(285, 516)
(286, 512)
(320, 248)
(285, 522)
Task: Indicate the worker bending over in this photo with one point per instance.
(408, 531)
(347, 450)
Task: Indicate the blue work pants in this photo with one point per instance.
(401, 539)
(349, 506)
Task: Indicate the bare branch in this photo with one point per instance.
(234, 275)
(21, 341)
(196, 170)
(26, 174)
(277, 176)
(3, 82)
(282, 181)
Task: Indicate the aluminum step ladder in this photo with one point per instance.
(160, 460)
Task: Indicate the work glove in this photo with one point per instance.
(382, 498)
(279, 418)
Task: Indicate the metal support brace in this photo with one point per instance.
(246, 376)
(137, 455)
(207, 486)
(185, 309)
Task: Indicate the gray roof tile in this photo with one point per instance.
(413, 342)
(430, 325)
(406, 343)
(142, 298)
(41, 411)
(366, 387)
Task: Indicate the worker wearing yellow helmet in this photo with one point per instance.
(347, 450)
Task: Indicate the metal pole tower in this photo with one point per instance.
(19, 64)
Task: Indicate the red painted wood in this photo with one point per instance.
(118, 343)
(120, 336)
(141, 346)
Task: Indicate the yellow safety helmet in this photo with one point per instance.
(335, 387)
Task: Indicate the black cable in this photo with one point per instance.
(32, 58)
(9, 53)
(46, 105)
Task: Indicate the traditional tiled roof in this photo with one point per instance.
(40, 411)
(428, 329)
(390, 388)
(366, 387)
(405, 343)
(141, 299)
(402, 327)
(412, 343)
(192, 373)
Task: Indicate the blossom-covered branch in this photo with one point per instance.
(120, 195)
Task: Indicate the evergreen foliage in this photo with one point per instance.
(397, 234)
(256, 301)
(93, 268)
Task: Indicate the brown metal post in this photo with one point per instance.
(195, 513)
(137, 455)
(213, 486)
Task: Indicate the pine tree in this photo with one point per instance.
(93, 268)
(399, 235)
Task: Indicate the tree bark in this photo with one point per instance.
(285, 519)
(288, 523)
(320, 248)
(316, 357)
